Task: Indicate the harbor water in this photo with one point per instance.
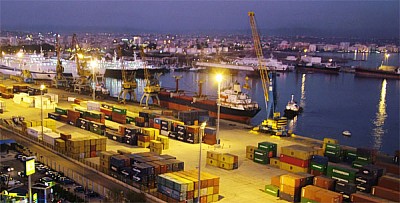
(367, 107)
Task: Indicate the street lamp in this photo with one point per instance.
(219, 80)
(202, 127)
(93, 64)
(42, 87)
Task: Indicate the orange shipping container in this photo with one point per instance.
(309, 192)
(324, 182)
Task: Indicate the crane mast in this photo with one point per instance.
(152, 87)
(82, 83)
(59, 80)
(261, 65)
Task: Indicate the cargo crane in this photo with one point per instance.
(273, 124)
(83, 82)
(129, 83)
(152, 87)
(59, 80)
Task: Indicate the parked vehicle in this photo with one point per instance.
(79, 189)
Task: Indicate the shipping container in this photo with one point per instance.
(385, 193)
(272, 190)
(324, 182)
(298, 151)
(293, 168)
(294, 161)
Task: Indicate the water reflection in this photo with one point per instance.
(379, 121)
(303, 91)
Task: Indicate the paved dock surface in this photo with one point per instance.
(241, 185)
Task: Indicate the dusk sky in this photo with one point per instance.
(342, 18)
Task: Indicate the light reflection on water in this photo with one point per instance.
(378, 132)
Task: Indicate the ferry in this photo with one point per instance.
(384, 71)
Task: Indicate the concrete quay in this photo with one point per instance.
(244, 184)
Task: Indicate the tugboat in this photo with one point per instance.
(292, 109)
(346, 133)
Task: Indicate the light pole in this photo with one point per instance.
(93, 64)
(203, 125)
(219, 80)
(42, 87)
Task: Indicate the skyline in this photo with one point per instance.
(318, 18)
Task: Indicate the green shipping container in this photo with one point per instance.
(61, 111)
(332, 147)
(272, 190)
(261, 160)
(341, 171)
(332, 153)
(358, 164)
(364, 159)
(97, 131)
(318, 167)
(92, 114)
(129, 119)
(108, 117)
(119, 110)
(305, 200)
(351, 154)
(267, 146)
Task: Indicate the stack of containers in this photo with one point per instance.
(157, 123)
(261, 156)
(72, 116)
(333, 152)
(156, 146)
(318, 165)
(118, 115)
(210, 136)
(113, 135)
(273, 188)
(268, 147)
(117, 162)
(186, 117)
(346, 189)
(192, 134)
(183, 186)
(164, 140)
(143, 174)
(250, 152)
(107, 110)
(36, 131)
(364, 157)
(94, 116)
(50, 137)
(82, 123)
(341, 172)
(296, 158)
(165, 126)
(349, 155)
(290, 187)
(60, 145)
(181, 133)
(213, 158)
(130, 134)
(151, 132)
(105, 157)
(228, 161)
(312, 193)
(367, 177)
(388, 188)
(97, 128)
(143, 140)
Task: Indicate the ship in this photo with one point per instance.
(235, 105)
(292, 109)
(384, 71)
(318, 68)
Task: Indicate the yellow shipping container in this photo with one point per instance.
(275, 162)
(291, 180)
(212, 162)
(298, 151)
(214, 155)
(149, 132)
(228, 158)
(227, 166)
(156, 150)
(250, 156)
(293, 168)
(164, 140)
(156, 144)
(143, 144)
(250, 149)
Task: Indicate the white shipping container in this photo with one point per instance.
(36, 131)
(93, 106)
(18, 97)
(28, 99)
(50, 137)
(53, 97)
(71, 99)
(45, 101)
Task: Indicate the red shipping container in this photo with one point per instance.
(294, 161)
(386, 193)
(107, 112)
(77, 101)
(324, 182)
(389, 182)
(365, 198)
(144, 138)
(156, 126)
(316, 173)
(163, 166)
(73, 114)
(121, 130)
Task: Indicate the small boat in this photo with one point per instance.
(292, 109)
(346, 133)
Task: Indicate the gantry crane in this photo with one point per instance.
(59, 79)
(273, 124)
(83, 82)
(129, 83)
(152, 87)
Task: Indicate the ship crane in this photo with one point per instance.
(152, 87)
(59, 79)
(272, 124)
(82, 83)
(129, 83)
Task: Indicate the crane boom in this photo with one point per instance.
(265, 79)
(59, 67)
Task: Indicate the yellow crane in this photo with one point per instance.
(129, 83)
(82, 83)
(152, 87)
(273, 123)
(59, 79)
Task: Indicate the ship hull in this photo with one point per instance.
(185, 103)
(117, 73)
(363, 72)
(303, 68)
